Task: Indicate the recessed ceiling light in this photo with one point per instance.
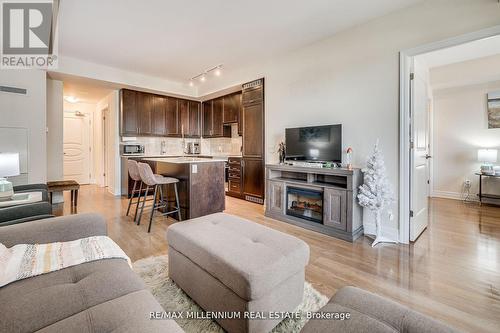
(203, 78)
(217, 71)
(71, 99)
(191, 83)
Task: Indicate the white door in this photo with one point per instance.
(76, 147)
(419, 161)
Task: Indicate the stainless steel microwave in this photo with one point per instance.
(133, 149)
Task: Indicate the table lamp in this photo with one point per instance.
(487, 157)
(9, 166)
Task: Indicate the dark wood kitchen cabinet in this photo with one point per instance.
(128, 113)
(253, 130)
(213, 126)
(172, 117)
(253, 179)
(252, 121)
(194, 119)
(189, 118)
(183, 106)
(158, 123)
(234, 177)
(253, 92)
(145, 114)
(217, 117)
(207, 119)
(231, 108)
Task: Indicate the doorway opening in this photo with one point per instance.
(444, 122)
(86, 131)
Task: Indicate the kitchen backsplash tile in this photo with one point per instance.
(211, 146)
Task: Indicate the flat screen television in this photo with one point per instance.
(314, 144)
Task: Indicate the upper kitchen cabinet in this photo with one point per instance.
(129, 124)
(144, 111)
(207, 119)
(253, 92)
(183, 106)
(189, 118)
(213, 126)
(172, 117)
(158, 116)
(231, 108)
(217, 123)
(194, 119)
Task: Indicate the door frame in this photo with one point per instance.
(405, 64)
(104, 174)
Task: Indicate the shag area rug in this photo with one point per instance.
(154, 272)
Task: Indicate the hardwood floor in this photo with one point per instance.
(451, 273)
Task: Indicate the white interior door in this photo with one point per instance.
(76, 147)
(419, 162)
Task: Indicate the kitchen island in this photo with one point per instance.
(201, 183)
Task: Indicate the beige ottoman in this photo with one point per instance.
(226, 263)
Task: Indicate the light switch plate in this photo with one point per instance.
(194, 168)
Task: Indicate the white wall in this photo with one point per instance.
(460, 129)
(27, 111)
(352, 78)
(113, 179)
(123, 78)
(55, 130)
(472, 72)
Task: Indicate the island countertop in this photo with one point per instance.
(184, 160)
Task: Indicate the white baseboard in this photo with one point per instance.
(388, 232)
(452, 195)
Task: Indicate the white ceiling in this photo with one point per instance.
(177, 39)
(85, 90)
(477, 49)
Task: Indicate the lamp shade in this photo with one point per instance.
(9, 164)
(487, 155)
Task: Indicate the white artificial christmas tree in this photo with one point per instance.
(376, 193)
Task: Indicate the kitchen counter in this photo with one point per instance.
(223, 157)
(185, 160)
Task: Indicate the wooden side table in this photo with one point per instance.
(481, 195)
(65, 185)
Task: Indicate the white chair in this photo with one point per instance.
(157, 182)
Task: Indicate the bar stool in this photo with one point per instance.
(133, 171)
(157, 181)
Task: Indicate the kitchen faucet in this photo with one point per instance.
(163, 150)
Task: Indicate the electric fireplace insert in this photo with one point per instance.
(305, 203)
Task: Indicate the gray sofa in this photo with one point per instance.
(374, 314)
(28, 212)
(99, 296)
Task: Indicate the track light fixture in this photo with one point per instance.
(202, 77)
